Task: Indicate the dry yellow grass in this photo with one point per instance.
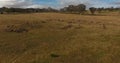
(60, 38)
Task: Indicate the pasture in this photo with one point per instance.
(59, 38)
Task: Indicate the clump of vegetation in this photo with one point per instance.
(23, 27)
(32, 25)
(54, 55)
(78, 27)
(16, 28)
(67, 26)
(43, 22)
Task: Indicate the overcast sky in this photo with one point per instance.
(57, 3)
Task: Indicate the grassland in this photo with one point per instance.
(60, 38)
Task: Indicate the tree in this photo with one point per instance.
(1, 11)
(81, 8)
(71, 8)
(92, 10)
(63, 9)
(74, 9)
(111, 9)
(4, 10)
(99, 10)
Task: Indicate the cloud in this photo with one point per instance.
(75, 2)
(15, 3)
(36, 6)
(116, 3)
(21, 4)
(91, 3)
(60, 3)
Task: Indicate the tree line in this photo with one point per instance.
(4, 10)
(102, 9)
(79, 9)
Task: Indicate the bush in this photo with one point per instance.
(54, 55)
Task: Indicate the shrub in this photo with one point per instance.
(54, 55)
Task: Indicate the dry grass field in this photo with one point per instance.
(59, 38)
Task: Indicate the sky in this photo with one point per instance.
(57, 3)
